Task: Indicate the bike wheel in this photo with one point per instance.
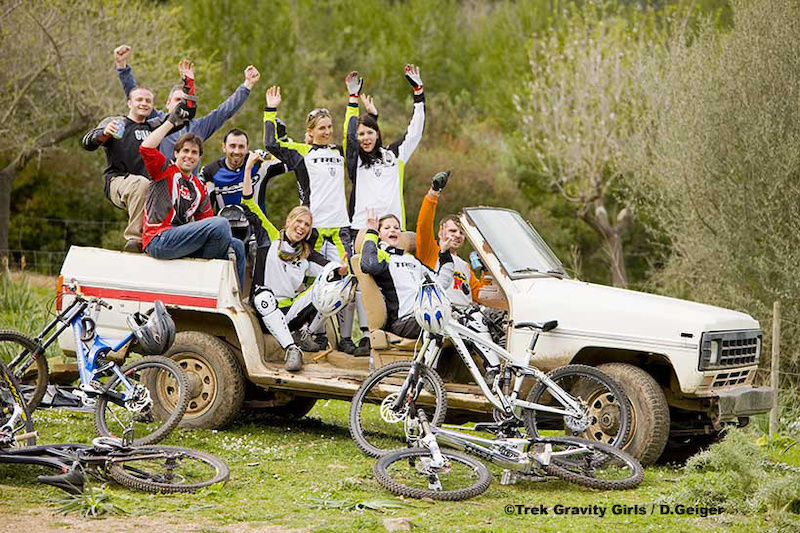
(606, 413)
(374, 425)
(161, 394)
(408, 472)
(28, 362)
(591, 464)
(166, 469)
(16, 425)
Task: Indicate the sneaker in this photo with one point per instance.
(133, 246)
(346, 345)
(293, 358)
(363, 347)
(321, 339)
(307, 342)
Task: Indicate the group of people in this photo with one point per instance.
(153, 158)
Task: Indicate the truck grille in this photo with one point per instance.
(729, 379)
(724, 349)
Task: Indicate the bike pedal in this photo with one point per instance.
(508, 478)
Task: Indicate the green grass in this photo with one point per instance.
(308, 474)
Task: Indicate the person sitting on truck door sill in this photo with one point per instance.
(224, 177)
(283, 262)
(178, 218)
(204, 126)
(319, 168)
(397, 273)
(378, 173)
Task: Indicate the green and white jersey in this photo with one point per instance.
(320, 174)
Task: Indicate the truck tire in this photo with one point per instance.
(216, 379)
(649, 411)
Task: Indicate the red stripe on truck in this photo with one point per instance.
(144, 296)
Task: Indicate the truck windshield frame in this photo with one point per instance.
(520, 249)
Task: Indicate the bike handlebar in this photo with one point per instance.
(544, 326)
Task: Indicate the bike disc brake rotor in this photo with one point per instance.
(578, 424)
(140, 401)
(389, 414)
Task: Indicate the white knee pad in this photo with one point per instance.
(265, 302)
(273, 318)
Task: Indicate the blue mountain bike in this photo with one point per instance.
(148, 395)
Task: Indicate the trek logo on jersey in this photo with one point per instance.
(320, 160)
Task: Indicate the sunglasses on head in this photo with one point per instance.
(317, 112)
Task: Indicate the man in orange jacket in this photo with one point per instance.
(464, 289)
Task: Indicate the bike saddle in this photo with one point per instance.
(71, 482)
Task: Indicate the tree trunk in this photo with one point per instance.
(612, 234)
(11, 170)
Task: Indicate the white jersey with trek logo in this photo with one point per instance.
(380, 185)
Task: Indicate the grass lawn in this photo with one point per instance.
(308, 475)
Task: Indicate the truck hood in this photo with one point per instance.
(586, 307)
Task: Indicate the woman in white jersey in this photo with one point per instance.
(319, 168)
(378, 172)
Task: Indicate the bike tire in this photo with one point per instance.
(603, 467)
(11, 396)
(370, 427)
(168, 388)
(35, 374)
(608, 409)
(399, 479)
(167, 469)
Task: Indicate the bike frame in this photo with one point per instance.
(88, 355)
(520, 367)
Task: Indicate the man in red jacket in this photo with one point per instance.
(178, 221)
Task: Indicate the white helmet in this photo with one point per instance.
(329, 296)
(432, 308)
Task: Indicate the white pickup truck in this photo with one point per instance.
(688, 368)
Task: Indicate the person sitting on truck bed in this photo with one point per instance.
(397, 273)
(178, 221)
(283, 262)
(224, 177)
(205, 126)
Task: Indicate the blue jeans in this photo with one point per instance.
(208, 239)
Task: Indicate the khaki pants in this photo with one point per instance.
(130, 192)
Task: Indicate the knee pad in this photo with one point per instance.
(265, 302)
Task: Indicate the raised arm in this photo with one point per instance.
(373, 261)
(247, 198)
(427, 247)
(206, 125)
(290, 153)
(406, 146)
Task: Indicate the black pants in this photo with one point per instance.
(405, 327)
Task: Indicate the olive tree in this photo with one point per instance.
(57, 74)
(577, 113)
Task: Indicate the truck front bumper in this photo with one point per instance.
(743, 401)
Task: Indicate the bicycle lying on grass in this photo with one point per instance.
(575, 400)
(149, 394)
(424, 470)
(152, 468)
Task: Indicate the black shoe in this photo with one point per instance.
(322, 340)
(133, 246)
(307, 342)
(363, 347)
(346, 345)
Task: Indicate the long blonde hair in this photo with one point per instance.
(294, 214)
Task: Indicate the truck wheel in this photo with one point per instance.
(649, 411)
(216, 380)
(262, 404)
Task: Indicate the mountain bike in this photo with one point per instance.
(16, 426)
(149, 468)
(424, 470)
(574, 400)
(149, 394)
(152, 468)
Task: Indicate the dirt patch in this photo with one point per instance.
(44, 520)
